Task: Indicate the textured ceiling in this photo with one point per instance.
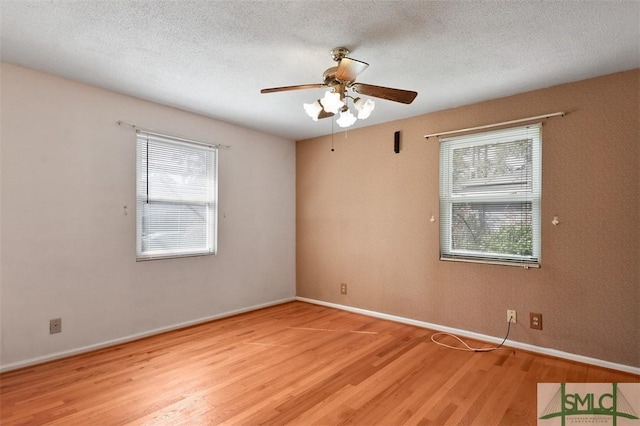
(213, 57)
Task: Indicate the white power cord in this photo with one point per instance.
(466, 347)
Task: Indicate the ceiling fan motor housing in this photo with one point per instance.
(329, 76)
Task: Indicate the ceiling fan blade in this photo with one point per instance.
(396, 95)
(298, 87)
(348, 69)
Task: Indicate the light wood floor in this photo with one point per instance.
(294, 363)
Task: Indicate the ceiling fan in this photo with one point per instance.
(339, 80)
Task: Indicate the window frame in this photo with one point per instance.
(209, 202)
(524, 196)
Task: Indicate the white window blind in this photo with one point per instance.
(490, 192)
(176, 208)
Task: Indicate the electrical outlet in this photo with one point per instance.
(535, 320)
(55, 326)
(343, 288)
(511, 315)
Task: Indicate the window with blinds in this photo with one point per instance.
(176, 207)
(490, 191)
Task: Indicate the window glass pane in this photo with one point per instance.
(493, 168)
(492, 228)
(173, 227)
(177, 173)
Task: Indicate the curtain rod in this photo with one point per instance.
(504, 123)
(161, 133)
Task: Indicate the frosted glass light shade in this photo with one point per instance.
(346, 119)
(364, 107)
(313, 110)
(331, 102)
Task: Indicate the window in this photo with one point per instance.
(490, 190)
(176, 207)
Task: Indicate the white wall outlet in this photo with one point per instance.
(511, 315)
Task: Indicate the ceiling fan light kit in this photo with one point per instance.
(313, 109)
(364, 107)
(332, 102)
(346, 119)
(339, 80)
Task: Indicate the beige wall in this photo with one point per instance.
(363, 219)
(68, 249)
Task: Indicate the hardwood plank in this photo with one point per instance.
(294, 363)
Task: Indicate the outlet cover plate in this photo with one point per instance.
(55, 326)
(535, 320)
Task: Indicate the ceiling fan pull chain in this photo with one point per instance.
(332, 150)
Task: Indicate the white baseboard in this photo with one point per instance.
(84, 349)
(478, 336)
